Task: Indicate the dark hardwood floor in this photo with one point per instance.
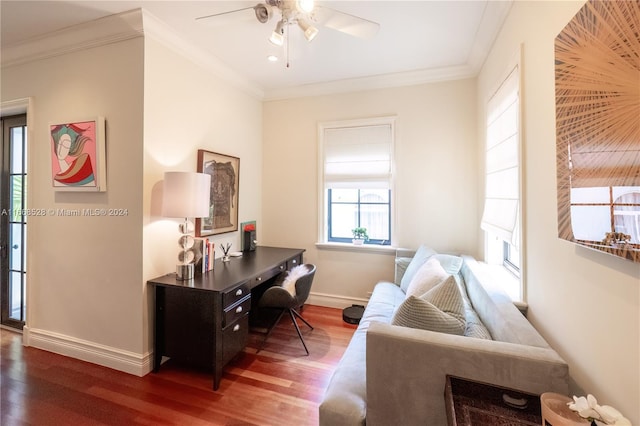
(278, 386)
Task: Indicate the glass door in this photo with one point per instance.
(13, 218)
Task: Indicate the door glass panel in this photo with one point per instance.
(15, 247)
(16, 307)
(16, 198)
(16, 149)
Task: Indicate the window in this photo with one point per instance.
(501, 216)
(605, 216)
(356, 179)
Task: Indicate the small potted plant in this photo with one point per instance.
(359, 236)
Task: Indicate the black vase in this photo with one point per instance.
(249, 240)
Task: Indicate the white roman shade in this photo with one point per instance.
(358, 157)
(502, 180)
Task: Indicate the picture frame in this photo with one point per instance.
(597, 129)
(78, 155)
(225, 187)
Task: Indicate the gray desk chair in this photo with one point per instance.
(285, 299)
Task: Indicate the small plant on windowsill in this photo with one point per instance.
(359, 235)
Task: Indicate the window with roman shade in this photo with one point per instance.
(356, 179)
(501, 216)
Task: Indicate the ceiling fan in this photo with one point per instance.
(306, 15)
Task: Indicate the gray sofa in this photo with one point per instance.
(392, 375)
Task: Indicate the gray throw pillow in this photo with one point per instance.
(441, 309)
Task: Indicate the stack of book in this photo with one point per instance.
(204, 255)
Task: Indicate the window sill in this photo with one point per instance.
(364, 248)
(509, 283)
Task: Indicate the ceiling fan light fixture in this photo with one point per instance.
(305, 6)
(277, 36)
(310, 32)
(263, 12)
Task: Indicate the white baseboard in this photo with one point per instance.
(118, 359)
(333, 301)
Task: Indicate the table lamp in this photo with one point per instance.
(186, 195)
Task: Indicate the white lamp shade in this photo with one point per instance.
(186, 194)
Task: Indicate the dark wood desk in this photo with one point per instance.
(204, 322)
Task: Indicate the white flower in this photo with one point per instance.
(586, 407)
(603, 415)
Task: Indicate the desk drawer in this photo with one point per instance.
(266, 275)
(294, 262)
(234, 338)
(234, 295)
(236, 311)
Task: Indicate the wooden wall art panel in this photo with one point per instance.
(597, 74)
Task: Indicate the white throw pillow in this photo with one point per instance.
(422, 254)
(292, 277)
(430, 274)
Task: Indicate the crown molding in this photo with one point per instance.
(156, 29)
(115, 28)
(409, 78)
(493, 17)
(99, 32)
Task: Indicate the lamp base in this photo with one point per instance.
(184, 272)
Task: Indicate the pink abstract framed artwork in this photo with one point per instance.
(78, 155)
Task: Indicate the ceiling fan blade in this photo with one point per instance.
(223, 13)
(345, 22)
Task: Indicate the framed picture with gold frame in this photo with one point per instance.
(223, 200)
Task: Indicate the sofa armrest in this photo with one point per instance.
(407, 368)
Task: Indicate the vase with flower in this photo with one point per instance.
(249, 237)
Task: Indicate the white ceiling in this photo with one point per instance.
(418, 41)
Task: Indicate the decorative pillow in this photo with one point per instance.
(421, 256)
(428, 276)
(291, 278)
(452, 264)
(441, 309)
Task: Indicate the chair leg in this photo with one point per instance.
(295, 323)
(303, 320)
(270, 330)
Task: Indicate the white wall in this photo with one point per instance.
(87, 292)
(188, 108)
(436, 171)
(586, 304)
(84, 273)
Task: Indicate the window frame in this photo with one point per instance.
(323, 199)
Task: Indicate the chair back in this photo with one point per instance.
(303, 285)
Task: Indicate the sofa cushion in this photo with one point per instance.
(422, 254)
(440, 309)
(344, 402)
(450, 263)
(430, 274)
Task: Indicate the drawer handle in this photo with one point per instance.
(259, 279)
(295, 261)
(236, 327)
(239, 292)
(281, 267)
(238, 309)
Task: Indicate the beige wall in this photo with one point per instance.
(587, 304)
(84, 273)
(436, 171)
(87, 293)
(188, 108)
